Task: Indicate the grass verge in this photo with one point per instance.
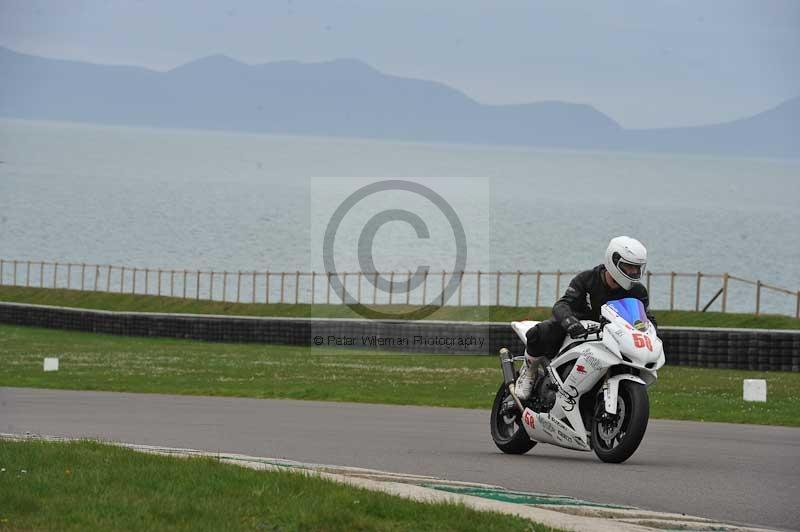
(115, 363)
(91, 486)
(141, 303)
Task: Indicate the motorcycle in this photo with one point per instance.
(592, 395)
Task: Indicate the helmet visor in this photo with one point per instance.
(630, 270)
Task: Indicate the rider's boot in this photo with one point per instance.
(527, 377)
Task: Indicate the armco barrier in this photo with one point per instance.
(685, 346)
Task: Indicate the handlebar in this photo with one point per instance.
(593, 329)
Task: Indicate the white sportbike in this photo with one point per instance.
(592, 396)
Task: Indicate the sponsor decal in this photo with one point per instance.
(569, 398)
(580, 368)
(592, 361)
(639, 325)
(565, 437)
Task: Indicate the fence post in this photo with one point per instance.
(408, 288)
(648, 284)
(133, 291)
(328, 290)
(254, 286)
(28, 275)
(391, 287)
(159, 282)
(2, 262)
(83, 271)
(108, 279)
(172, 283)
(538, 285)
(96, 275)
(516, 297)
(15, 273)
(266, 287)
(211, 286)
(797, 307)
(55, 275)
(41, 274)
(146, 281)
(296, 286)
(224, 286)
(122, 280)
(239, 286)
(313, 285)
(672, 291)
(479, 288)
(344, 287)
(724, 291)
(358, 290)
(558, 284)
(283, 276)
(185, 273)
(697, 292)
(497, 291)
(69, 275)
(758, 297)
(375, 288)
(460, 285)
(443, 287)
(425, 288)
(197, 286)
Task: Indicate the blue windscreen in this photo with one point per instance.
(631, 310)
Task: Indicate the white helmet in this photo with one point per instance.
(626, 259)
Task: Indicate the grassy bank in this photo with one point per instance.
(140, 303)
(89, 486)
(102, 362)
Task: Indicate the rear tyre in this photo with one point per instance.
(507, 431)
(616, 439)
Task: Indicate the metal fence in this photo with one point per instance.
(668, 290)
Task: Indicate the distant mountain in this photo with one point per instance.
(774, 133)
(347, 98)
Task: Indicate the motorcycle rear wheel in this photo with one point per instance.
(633, 408)
(507, 431)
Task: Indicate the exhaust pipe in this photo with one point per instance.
(507, 364)
(510, 375)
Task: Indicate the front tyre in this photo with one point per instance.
(616, 438)
(507, 431)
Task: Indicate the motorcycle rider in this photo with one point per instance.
(618, 277)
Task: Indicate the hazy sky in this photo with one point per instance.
(645, 64)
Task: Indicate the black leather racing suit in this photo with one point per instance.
(586, 293)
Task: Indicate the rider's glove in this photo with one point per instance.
(574, 327)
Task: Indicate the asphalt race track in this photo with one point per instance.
(737, 473)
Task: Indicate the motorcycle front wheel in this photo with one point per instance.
(507, 431)
(616, 438)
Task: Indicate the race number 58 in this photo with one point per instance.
(640, 340)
